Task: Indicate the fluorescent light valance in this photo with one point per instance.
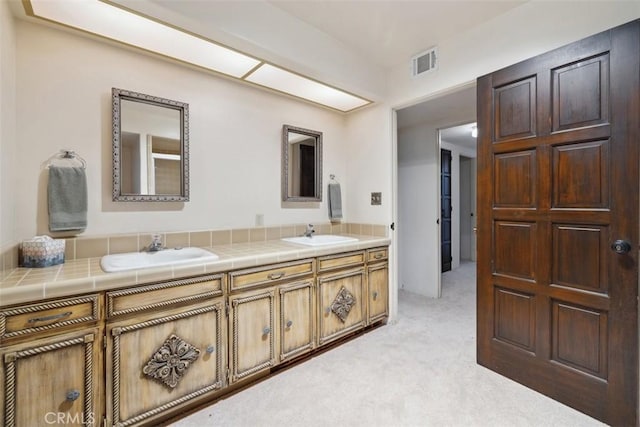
(109, 21)
(294, 84)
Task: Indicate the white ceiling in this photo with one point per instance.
(390, 32)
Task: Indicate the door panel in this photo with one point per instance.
(558, 184)
(515, 179)
(581, 175)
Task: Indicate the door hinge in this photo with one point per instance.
(226, 308)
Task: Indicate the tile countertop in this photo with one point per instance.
(26, 285)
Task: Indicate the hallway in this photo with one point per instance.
(420, 371)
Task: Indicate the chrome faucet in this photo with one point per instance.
(309, 232)
(156, 243)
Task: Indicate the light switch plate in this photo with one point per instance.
(376, 198)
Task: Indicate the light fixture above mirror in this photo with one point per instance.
(109, 20)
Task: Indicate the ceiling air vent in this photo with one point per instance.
(424, 62)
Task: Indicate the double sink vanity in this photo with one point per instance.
(137, 338)
(176, 328)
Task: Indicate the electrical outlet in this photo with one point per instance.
(376, 198)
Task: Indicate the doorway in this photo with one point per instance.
(457, 205)
(418, 204)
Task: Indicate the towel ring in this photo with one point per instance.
(65, 154)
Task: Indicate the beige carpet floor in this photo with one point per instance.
(419, 371)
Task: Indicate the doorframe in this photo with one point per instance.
(456, 152)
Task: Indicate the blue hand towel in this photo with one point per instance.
(67, 198)
(335, 202)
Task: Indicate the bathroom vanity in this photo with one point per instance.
(142, 346)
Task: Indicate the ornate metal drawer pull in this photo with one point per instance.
(378, 255)
(278, 275)
(58, 316)
(72, 395)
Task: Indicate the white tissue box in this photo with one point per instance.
(42, 252)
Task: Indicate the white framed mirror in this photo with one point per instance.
(301, 165)
(150, 148)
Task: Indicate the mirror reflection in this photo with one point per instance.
(302, 164)
(150, 148)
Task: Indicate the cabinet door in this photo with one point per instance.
(52, 381)
(378, 281)
(296, 319)
(341, 304)
(159, 363)
(252, 333)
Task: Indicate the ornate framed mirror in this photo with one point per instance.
(301, 165)
(150, 148)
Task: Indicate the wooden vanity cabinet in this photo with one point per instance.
(51, 363)
(165, 353)
(341, 295)
(135, 356)
(377, 284)
(252, 332)
(271, 316)
(297, 319)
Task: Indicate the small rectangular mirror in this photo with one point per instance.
(150, 148)
(301, 165)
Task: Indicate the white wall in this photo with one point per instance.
(523, 32)
(369, 164)
(418, 210)
(369, 160)
(64, 100)
(7, 125)
(467, 208)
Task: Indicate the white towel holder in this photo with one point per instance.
(65, 155)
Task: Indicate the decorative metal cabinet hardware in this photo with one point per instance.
(343, 303)
(171, 361)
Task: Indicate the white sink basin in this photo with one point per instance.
(135, 260)
(320, 240)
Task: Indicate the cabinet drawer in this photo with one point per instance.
(377, 254)
(245, 279)
(332, 262)
(51, 315)
(164, 294)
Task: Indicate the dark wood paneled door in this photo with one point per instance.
(558, 223)
(445, 208)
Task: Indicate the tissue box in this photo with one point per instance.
(42, 252)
